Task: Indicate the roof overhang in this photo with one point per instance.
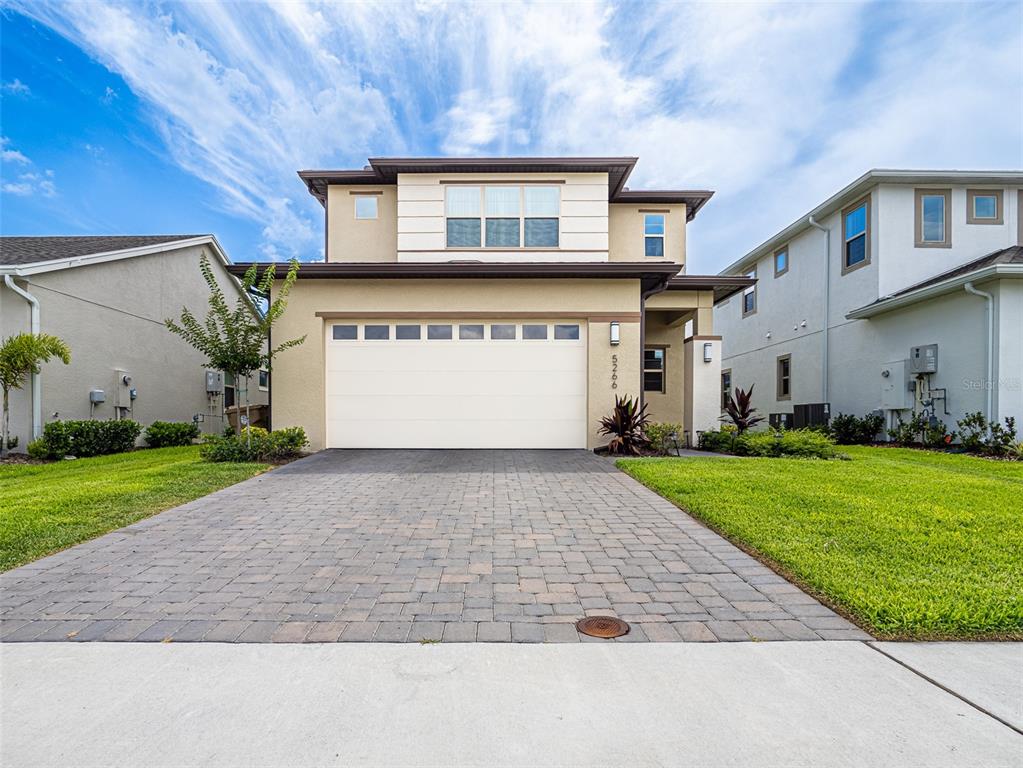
(70, 262)
(722, 285)
(652, 276)
(857, 189)
(694, 200)
(383, 171)
(888, 304)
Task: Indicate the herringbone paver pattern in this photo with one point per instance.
(407, 546)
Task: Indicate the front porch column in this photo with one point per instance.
(703, 371)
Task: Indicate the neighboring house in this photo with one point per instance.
(919, 276)
(108, 297)
(495, 303)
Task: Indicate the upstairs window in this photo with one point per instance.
(856, 235)
(933, 212)
(653, 369)
(749, 296)
(502, 216)
(781, 261)
(366, 206)
(983, 206)
(464, 225)
(653, 234)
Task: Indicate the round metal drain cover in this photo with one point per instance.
(602, 626)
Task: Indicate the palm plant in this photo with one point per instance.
(626, 424)
(740, 410)
(22, 356)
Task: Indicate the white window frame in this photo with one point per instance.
(664, 230)
(259, 380)
(749, 291)
(522, 218)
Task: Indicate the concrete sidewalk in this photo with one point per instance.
(764, 704)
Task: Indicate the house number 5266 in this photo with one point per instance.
(614, 371)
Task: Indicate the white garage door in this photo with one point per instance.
(440, 384)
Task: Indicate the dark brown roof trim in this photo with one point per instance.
(694, 199)
(722, 285)
(651, 275)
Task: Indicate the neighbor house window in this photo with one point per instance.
(785, 377)
(264, 380)
(933, 218)
(503, 216)
(856, 235)
(983, 206)
(653, 234)
(230, 397)
(653, 369)
(781, 261)
(726, 388)
(749, 296)
(366, 206)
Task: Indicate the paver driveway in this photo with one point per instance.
(413, 546)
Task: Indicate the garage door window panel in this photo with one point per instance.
(345, 332)
(501, 332)
(408, 332)
(470, 332)
(377, 332)
(438, 332)
(566, 332)
(534, 332)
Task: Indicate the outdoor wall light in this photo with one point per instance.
(708, 352)
(616, 334)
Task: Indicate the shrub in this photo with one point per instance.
(38, 449)
(1002, 438)
(86, 438)
(803, 443)
(721, 441)
(936, 435)
(254, 444)
(973, 431)
(660, 434)
(626, 425)
(847, 429)
(160, 434)
(908, 433)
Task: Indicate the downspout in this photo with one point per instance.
(37, 384)
(989, 300)
(827, 305)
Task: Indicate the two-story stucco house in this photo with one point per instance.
(902, 293)
(496, 303)
(107, 297)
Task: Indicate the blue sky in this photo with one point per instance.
(170, 117)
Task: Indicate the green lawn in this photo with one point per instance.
(910, 544)
(48, 507)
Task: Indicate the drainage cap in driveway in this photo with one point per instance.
(602, 626)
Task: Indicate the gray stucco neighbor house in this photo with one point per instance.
(108, 297)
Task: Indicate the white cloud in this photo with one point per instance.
(30, 184)
(775, 105)
(16, 87)
(109, 94)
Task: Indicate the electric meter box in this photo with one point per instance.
(923, 359)
(214, 382)
(895, 396)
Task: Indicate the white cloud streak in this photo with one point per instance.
(773, 105)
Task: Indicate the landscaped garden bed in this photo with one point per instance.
(910, 544)
(48, 507)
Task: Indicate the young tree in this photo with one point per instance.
(235, 340)
(22, 356)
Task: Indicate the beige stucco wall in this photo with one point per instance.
(111, 316)
(667, 405)
(626, 223)
(351, 239)
(298, 376)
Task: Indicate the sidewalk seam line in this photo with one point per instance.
(945, 688)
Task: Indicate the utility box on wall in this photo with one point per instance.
(895, 393)
(923, 359)
(214, 382)
(122, 389)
